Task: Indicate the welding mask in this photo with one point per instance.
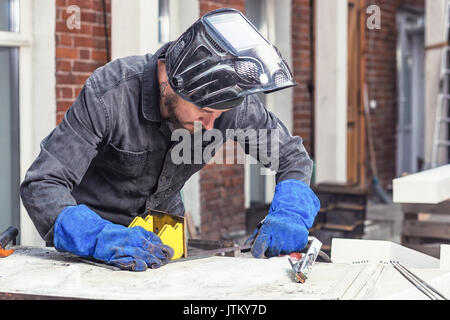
(222, 58)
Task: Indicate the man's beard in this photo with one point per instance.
(170, 102)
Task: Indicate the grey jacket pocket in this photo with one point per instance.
(126, 163)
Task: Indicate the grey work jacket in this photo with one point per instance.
(111, 151)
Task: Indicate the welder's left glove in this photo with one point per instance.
(285, 228)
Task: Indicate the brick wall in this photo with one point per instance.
(79, 51)
(301, 68)
(222, 186)
(222, 198)
(209, 5)
(381, 79)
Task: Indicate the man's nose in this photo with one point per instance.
(208, 121)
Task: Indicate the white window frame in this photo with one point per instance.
(134, 24)
(37, 103)
(330, 127)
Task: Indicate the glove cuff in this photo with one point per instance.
(76, 229)
(294, 197)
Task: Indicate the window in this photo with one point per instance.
(164, 21)
(9, 15)
(9, 111)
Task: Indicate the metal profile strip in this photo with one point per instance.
(426, 289)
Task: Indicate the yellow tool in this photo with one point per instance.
(169, 228)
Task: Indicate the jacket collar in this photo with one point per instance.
(150, 86)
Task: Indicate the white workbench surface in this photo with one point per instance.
(46, 272)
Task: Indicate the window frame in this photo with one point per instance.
(19, 37)
(35, 40)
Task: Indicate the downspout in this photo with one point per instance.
(311, 75)
(311, 78)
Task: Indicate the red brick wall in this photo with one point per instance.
(301, 68)
(221, 186)
(222, 198)
(209, 5)
(79, 51)
(381, 79)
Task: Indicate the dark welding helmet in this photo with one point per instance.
(222, 58)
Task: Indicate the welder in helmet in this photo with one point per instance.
(109, 160)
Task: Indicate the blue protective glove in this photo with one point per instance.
(81, 231)
(285, 228)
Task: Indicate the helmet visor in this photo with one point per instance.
(236, 31)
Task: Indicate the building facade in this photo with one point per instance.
(342, 53)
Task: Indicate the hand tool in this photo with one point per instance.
(426, 289)
(5, 237)
(302, 268)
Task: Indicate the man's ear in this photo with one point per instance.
(162, 73)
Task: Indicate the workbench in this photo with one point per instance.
(44, 273)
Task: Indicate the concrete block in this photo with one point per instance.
(429, 186)
(445, 257)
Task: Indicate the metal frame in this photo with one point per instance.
(443, 98)
(15, 138)
(415, 129)
(424, 287)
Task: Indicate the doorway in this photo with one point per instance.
(356, 135)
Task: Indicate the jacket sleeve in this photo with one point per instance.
(65, 156)
(273, 146)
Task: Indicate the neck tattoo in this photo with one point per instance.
(162, 89)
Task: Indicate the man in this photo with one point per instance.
(109, 159)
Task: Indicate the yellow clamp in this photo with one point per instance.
(169, 228)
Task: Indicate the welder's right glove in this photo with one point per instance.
(81, 231)
(285, 228)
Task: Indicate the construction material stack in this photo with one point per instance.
(426, 227)
(342, 213)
